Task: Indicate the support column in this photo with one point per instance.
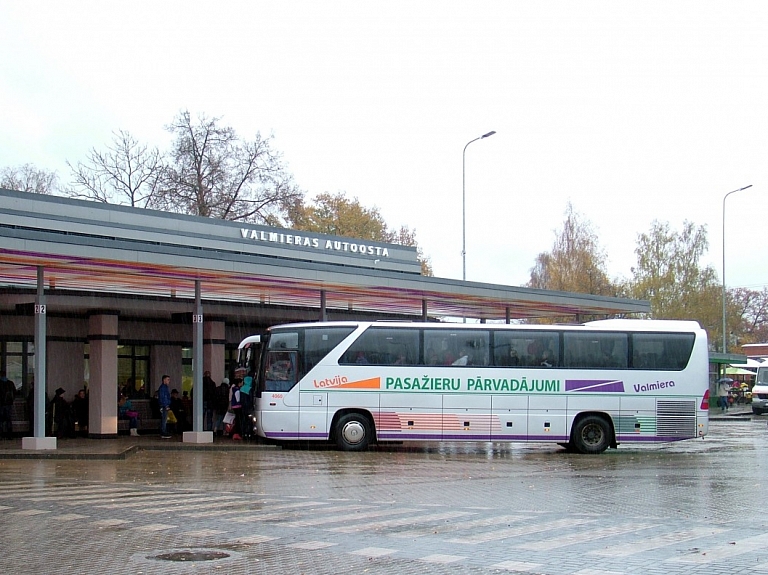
(39, 441)
(197, 435)
(102, 365)
(423, 310)
(323, 312)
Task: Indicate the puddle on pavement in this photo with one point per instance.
(191, 556)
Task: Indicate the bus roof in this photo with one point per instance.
(607, 324)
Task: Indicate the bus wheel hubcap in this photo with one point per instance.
(353, 432)
(592, 435)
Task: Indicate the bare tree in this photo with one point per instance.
(751, 307)
(28, 178)
(212, 172)
(126, 173)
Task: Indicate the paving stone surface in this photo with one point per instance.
(688, 507)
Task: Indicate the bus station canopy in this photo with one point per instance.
(96, 247)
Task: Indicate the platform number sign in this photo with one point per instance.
(39, 309)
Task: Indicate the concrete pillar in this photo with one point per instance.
(198, 434)
(38, 439)
(323, 303)
(102, 388)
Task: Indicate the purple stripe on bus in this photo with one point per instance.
(279, 435)
(426, 437)
(436, 436)
(601, 385)
(651, 439)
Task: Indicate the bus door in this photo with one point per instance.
(510, 418)
(279, 403)
(313, 415)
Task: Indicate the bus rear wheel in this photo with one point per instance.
(353, 432)
(591, 434)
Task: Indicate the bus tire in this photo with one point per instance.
(353, 432)
(591, 434)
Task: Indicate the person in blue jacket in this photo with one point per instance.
(164, 399)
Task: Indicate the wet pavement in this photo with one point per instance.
(146, 505)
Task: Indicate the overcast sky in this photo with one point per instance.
(633, 112)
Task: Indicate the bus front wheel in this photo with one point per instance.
(353, 432)
(591, 434)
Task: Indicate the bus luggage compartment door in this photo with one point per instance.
(313, 415)
(510, 418)
(546, 418)
(467, 417)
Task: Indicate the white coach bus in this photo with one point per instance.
(586, 387)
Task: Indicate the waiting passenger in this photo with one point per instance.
(61, 414)
(236, 405)
(125, 411)
(7, 394)
(221, 406)
(80, 411)
(179, 412)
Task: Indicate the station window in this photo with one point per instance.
(133, 369)
(187, 377)
(17, 358)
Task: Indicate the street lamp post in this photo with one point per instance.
(464, 204)
(725, 336)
